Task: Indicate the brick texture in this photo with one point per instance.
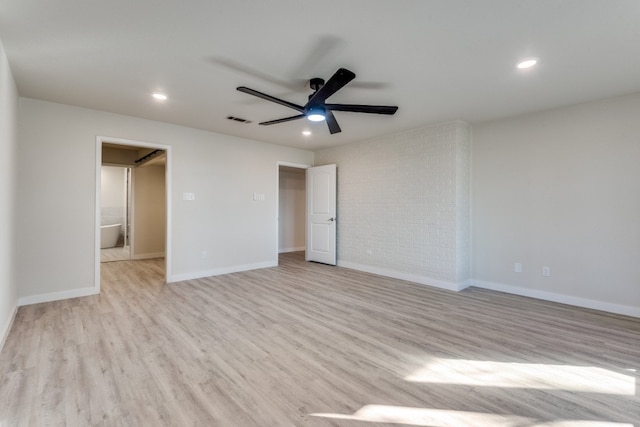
(403, 201)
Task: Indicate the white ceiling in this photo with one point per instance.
(436, 59)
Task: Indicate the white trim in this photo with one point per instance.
(220, 271)
(422, 280)
(55, 296)
(148, 256)
(131, 220)
(7, 327)
(559, 298)
(98, 221)
(296, 249)
(168, 198)
(291, 165)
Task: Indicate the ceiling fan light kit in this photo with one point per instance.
(316, 110)
(317, 114)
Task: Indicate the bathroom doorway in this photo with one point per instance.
(132, 202)
(115, 213)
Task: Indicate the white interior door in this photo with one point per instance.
(321, 214)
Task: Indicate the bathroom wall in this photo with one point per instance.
(113, 196)
(119, 156)
(149, 212)
(291, 209)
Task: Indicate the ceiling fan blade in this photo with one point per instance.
(369, 85)
(334, 84)
(252, 72)
(270, 98)
(334, 127)
(316, 53)
(355, 108)
(286, 119)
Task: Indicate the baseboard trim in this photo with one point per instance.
(287, 250)
(422, 280)
(223, 270)
(559, 298)
(56, 296)
(148, 256)
(7, 327)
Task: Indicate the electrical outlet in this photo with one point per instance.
(517, 267)
(369, 251)
(546, 271)
(203, 254)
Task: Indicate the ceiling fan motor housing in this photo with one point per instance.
(316, 83)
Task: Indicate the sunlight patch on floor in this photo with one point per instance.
(525, 375)
(448, 418)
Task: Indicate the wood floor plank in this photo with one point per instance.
(304, 344)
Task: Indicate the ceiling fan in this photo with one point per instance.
(316, 109)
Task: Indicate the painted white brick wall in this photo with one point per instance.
(463, 202)
(403, 202)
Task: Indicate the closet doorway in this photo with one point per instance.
(291, 207)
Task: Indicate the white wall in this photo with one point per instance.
(149, 204)
(8, 144)
(557, 188)
(561, 188)
(403, 204)
(113, 196)
(55, 226)
(292, 210)
(113, 189)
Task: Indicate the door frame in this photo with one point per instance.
(167, 176)
(291, 165)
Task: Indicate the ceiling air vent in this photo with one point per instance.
(238, 119)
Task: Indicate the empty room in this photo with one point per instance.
(363, 213)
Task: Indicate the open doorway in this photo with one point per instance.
(116, 205)
(291, 207)
(132, 202)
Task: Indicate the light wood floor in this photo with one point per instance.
(119, 253)
(305, 344)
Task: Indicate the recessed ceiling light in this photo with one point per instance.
(160, 96)
(306, 132)
(527, 63)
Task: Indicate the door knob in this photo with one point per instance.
(332, 219)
